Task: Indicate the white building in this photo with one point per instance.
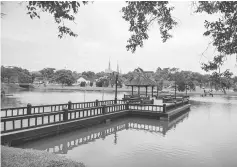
(82, 79)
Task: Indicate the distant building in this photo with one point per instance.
(109, 70)
(82, 79)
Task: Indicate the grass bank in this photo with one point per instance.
(17, 157)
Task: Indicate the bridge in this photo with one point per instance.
(32, 122)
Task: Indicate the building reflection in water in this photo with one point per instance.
(62, 143)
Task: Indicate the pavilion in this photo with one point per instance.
(139, 79)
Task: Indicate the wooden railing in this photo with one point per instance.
(172, 99)
(19, 111)
(145, 107)
(175, 105)
(73, 111)
(138, 96)
(15, 123)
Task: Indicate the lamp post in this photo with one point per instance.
(174, 72)
(116, 86)
(186, 85)
(175, 88)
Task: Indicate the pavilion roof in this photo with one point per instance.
(140, 79)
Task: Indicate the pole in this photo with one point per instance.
(175, 88)
(85, 95)
(116, 88)
(151, 91)
(186, 88)
(146, 91)
(103, 92)
(157, 92)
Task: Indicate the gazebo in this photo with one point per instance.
(139, 79)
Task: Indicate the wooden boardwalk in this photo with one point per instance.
(26, 123)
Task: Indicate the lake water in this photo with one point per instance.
(41, 97)
(204, 136)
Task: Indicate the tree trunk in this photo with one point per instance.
(224, 90)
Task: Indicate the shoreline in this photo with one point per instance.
(13, 87)
(11, 156)
(128, 90)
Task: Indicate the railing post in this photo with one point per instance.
(126, 106)
(65, 114)
(96, 102)
(29, 109)
(164, 108)
(103, 109)
(69, 105)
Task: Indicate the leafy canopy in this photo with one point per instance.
(141, 15)
(224, 30)
(61, 11)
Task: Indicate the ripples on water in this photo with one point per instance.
(204, 136)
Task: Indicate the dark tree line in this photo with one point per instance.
(184, 79)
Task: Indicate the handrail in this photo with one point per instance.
(16, 123)
(18, 111)
(20, 122)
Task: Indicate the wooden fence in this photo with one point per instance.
(29, 109)
(36, 116)
(15, 123)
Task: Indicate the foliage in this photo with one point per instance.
(22, 75)
(64, 77)
(76, 75)
(224, 30)
(102, 82)
(141, 15)
(47, 73)
(100, 74)
(220, 79)
(83, 84)
(60, 10)
(89, 74)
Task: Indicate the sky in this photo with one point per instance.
(102, 35)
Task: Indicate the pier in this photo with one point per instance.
(22, 124)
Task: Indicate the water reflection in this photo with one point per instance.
(205, 136)
(61, 144)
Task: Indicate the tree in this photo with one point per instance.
(220, 79)
(62, 11)
(89, 74)
(47, 73)
(224, 30)
(23, 75)
(64, 77)
(141, 15)
(102, 82)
